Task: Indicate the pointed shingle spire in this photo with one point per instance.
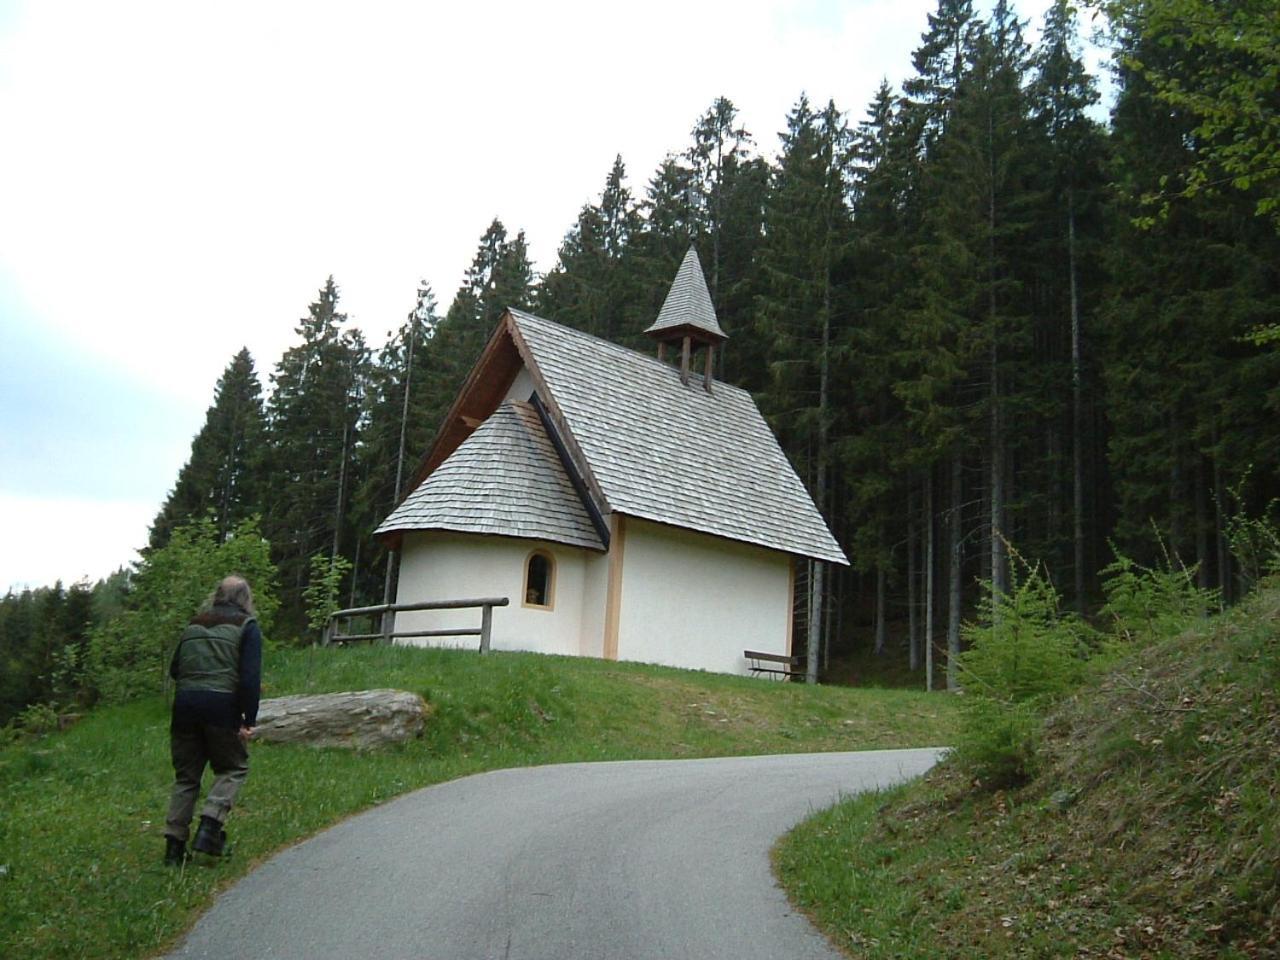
(688, 309)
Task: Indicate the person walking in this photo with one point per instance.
(217, 667)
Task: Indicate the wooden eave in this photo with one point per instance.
(697, 334)
(487, 383)
(484, 388)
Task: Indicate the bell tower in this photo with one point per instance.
(687, 320)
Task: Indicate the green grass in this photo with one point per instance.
(1152, 829)
(81, 813)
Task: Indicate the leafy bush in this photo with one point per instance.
(1023, 654)
(1145, 604)
(1255, 541)
(129, 656)
(321, 593)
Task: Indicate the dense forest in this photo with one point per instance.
(982, 322)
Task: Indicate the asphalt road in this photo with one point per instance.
(590, 861)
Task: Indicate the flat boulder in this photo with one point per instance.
(358, 719)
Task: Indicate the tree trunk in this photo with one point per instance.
(355, 573)
(828, 616)
(1224, 552)
(913, 618)
(821, 485)
(928, 583)
(1175, 490)
(996, 481)
(357, 720)
(881, 626)
(404, 425)
(1077, 411)
(814, 649)
(954, 582)
(1202, 526)
(342, 484)
(996, 439)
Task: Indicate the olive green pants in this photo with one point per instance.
(193, 748)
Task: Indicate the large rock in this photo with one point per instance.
(358, 719)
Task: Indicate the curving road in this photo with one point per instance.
(588, 861)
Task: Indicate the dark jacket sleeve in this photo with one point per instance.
(249, 689)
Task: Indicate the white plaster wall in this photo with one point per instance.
(521, 388)
(595, 591)
(692, 600)
(448, 566)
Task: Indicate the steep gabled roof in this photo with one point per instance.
(688, 307)
(673, 453)
(505, 479)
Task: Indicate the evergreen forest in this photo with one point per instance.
(983, 320)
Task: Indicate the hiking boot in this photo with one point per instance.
(210, 838)
(175, 852)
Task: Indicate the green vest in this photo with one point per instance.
(208, 657)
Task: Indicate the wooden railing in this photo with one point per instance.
(388, 611)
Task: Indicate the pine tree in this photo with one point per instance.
(807, 245)
(314, 422)
(938, 384)
(1068, 234)
(1187, 393)
(221, 476)
(591, 286)
(875, 452)
(402, 415)
(500, 276)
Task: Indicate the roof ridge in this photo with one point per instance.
(648, 358)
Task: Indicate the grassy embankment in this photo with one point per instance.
(81, 812)
(1151, 830)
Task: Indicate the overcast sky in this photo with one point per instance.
(178, 179)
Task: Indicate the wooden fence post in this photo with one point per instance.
(388, 625)
(486, 624)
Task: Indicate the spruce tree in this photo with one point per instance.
(1187, 391)
(807, 246)
(591, 287)
(221, 477)
(314, 424)
(1067, 277)
(403, 412)
(500, 276)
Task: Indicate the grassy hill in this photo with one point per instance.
(81, 813)
(1151, 830)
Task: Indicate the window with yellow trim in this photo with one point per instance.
(540, 580)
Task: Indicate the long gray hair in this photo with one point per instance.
(233, 591)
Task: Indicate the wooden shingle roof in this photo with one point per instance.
(688, 307)
(505, 479)
(671, 452)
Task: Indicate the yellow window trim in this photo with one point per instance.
(550, 557)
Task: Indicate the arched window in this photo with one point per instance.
(540, 580)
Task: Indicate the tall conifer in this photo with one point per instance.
(222, 475)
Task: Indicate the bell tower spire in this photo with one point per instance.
(688, 318)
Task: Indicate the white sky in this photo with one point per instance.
(178, 179)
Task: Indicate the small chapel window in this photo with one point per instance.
(539, 580)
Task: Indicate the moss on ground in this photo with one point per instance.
(1151, 830)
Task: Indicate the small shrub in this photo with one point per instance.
(37, 719)
(1255, 541)
(1145, 604)
(1025, 653)
(321, 593)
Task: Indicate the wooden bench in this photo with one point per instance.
(775, 663)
